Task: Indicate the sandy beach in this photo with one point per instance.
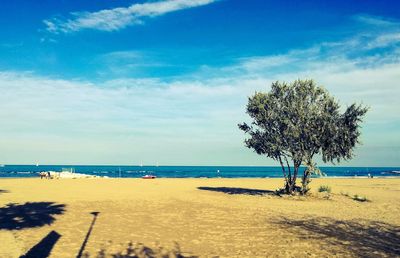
(204, 217)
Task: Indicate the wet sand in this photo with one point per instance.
(204, 217)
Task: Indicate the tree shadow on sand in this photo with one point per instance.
(362, 238)
(29, 215)
(139, 250)
(236, 190)
(44, 247)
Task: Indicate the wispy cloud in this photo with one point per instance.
(384, 40)
(119, 18)
(126, 63)
(375, 20)
(366, 49)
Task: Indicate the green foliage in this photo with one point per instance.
(325, 188)
(293, 122)
(356, 197)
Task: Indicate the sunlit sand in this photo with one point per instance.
(204, 217)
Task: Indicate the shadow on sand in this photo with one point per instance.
(95, 214)
(235, 190)
(139, 250)
(362, 238)
(3, 191)
(29, 215)
(132, 250)
(44, 247)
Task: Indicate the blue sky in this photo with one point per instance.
(124, 82)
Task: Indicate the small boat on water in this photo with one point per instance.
(149, 177)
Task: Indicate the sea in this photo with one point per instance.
(29, 171)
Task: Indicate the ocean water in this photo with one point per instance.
(190, 171)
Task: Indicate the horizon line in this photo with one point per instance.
(139, 165)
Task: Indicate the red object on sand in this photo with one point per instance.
(149, 177)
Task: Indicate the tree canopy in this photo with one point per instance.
(296, 121)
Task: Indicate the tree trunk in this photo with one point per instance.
(283, 167)
(292, 185)
(284, 174)
(311, 168)
(305, 181)
(290, 179)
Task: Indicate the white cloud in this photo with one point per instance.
(129, 120)
(124, 63)
(375, 20)
(121, 17)
(384, 40)
(124, 116)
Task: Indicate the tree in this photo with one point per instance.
(295, 122)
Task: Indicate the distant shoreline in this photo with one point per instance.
(233, 178)
(210, 166)
(21, 171)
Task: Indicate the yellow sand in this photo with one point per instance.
(209, 223)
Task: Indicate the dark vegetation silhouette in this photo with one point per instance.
(44, 247)
(29, 215)
(361, 238)
(139, 250)
(237, 190)
(95, 214)
(3, 191)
